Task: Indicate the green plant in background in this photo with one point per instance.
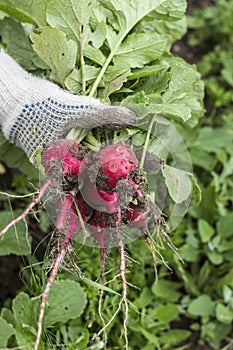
(213, 36)
(111, 51)
(209, 229)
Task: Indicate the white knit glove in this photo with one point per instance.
(34, 111)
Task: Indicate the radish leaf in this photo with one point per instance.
(178, 183)
(19, 46)
(139, 49)
(57, 51)
(126, 20)
(26, 11)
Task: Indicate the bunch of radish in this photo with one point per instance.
(104, 189)
(102, 192)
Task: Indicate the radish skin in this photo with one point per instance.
(117, 162)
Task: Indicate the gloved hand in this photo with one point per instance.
(35, 112)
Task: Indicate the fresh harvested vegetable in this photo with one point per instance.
(116, 162)
(64, 155)
(104, 189)
(68, 220)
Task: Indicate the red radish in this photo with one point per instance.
(116, 162)
(136, 189)
(137, 217)
(63, 155)
(71, 165)
(68, 221)
(99, 199)
(141, 217)
(98, 224)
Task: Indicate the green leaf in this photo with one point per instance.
(196, 192)
(179, 99)
(19, 46)
(71, 17)
(144, 299)
(205, 230)
(98, 36)
(202, 159)
(227, 294)
(227, 71)
(174, 336)
(174, 30)
(148, 70)
(224, 314)
(211, 139)
(2, 15)
(225, 225)
(201, 306)
(74, 81)
(7, 331)
(204, 274)
(15, 157)
(187, 91)
(114, 78)
(15, 241)
(94, 55)
(31, 11)
(162, 289)
(166, 313)
(207, 208)
(26, 339)
(170, 10)
(23, 309)
(127, 18)
(188, 253)
(155, 85)
(66, 301)
(100, 345)
(56, 51)
(139, 49)
(215, 258)
(116, 84)
(8, 316)
(100, 286)
(178, 183)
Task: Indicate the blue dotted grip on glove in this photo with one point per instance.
(47, 118)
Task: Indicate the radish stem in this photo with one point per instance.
(146, 144)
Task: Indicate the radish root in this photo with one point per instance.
(53, 274)
(123, 299)
(41, 193)
(124, 289)
(102, 277)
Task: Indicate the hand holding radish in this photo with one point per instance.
(35, 112)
